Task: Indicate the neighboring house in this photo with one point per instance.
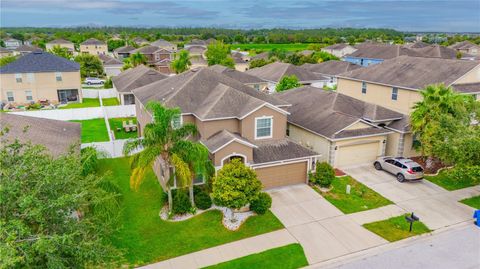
(12, 43)
(112, 66)
(40, 76)
(396, 84)
(437, 51)
(93, 46)
(199, 43)
(58, 137)
(123, 52)
(197, 62)
(466, 47)
(163, 66)
(417, 45)
(196, 51)
(274, 72)
(133, 78)
(233, 121)
(157, 57)
(339, 50)
(262, 55)
(139, 41)
(241, 61)
(62, 43)
(5, 52)
(344, 130)
(25, 49)
(163, 44)
(247, 79)
(331, 69)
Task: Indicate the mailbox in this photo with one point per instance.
(411, 219)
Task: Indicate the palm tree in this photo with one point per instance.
(137, 59)
(167, 143)
(182, 63)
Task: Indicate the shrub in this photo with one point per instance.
(466, 174)
(89, 160)
(181, 202)
(261, 204)
(324, 175)
(203, 200)
(108, 83)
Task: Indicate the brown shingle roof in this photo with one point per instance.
(331, 68)
(162, 43)
(278, 150)
(146, 50)
(467, 87)
(275, 71)
(125, 49)
(57, 136)
(92, 41)
(221, 138)
(381, 51)
(413, 72)
(240, 76)
(108, 60)
(60, 41)
(136, 77)
(464, 45)
(437, 51)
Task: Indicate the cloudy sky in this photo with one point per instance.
(414, 15)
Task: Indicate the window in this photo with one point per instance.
(28, 95)
(31, 77)
(10, 97)
(58, 76)
(394, 93)
(364, 87)
(18, 77)
(177, 122)
(263, 127)
(256, 87)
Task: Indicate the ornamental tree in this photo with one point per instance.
(287, 83)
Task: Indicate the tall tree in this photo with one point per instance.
(287, 83)
(134, 60)
(62, 52)
(182, 62)
(90, 65)
(219, 53)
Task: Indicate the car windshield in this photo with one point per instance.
(417, 169)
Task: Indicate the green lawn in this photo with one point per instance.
(94, 130)
(121, 134)
(286, 257)
(110, 101)
(450, 183)
(146, 238)
(86, 102)
(266, 47)
(396, 228)
(473, 202)
(360, 198)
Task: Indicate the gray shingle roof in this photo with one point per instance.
(437, 51)
(413, 72)
(219, 139)
(27, 48)
(402, 125)
(331, 68)
(278, 150)
(240, 76)
(467, 87)
(92, 41)
(196, 49)
(328, 112)
(464, 45)
(207, 94)
(136, 77)
(146, 50)
(125, 49)
(162, 43)
(275, 71)
(339, 46)
(108, 60)
(40, 61)
(381, 51)
(57, 136)
(262, 55)
(60, 41)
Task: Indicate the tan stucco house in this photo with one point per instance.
(40, 76)
(339, 50)
(331, 69)
(234, 121)
(93, 46)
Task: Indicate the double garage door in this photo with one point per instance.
(282, 175)
(357, 154)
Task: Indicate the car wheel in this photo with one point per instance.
(377, 166)
(400, 178)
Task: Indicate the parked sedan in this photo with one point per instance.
(402, 168)
(94, 81)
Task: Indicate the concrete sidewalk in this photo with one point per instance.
(227, 252)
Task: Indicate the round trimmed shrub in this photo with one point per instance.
(202, 200)
(324, 175)
(181, 203)
(261, 204)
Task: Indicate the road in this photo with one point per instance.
(457, 248)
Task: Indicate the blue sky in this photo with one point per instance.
(412, 15)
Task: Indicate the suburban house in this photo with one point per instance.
(199, 43)
(133, 78)
(241, 61)
(12, 43)
(5, 52)
(274, 72)
(330, 69)
(247, 79)
(25, 49)
(197, 62)
(62, 43)
(163, 44)
(261, 56)
(93, 46)
(140, 41)
(339, 50)
(40, 76)
(123, 52)
(343, 130)
(396, 84)
(58, 137)
(112, 66)
(155, 55)
(466, 47)
(196, 51)
(233, 121)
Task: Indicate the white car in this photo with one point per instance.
(94, 81)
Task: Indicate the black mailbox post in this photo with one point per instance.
(411, 219)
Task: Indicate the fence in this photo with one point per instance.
(103, 93)
(111, 149)
(82, 113)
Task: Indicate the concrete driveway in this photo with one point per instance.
(435, 206)
(323, 231)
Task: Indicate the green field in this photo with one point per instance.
(396, 228)
(94, 130)
(267, 47)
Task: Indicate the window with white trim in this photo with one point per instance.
(177, 122)
(364, 87)
(394, 93)
(10, 97)
(58, 76)
(18, 77)
(28, 95)
(263, 127)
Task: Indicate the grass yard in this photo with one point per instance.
(286, 257)
(266, 47)
(94, 130)
(86, 102)
(450, 183)
(110, 101)
(360, 198)
(396, 228)
(473, 202)
(121, 134)
(146, 238)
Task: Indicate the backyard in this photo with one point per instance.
(146, 238)
(86, 102)
(116, 125)
(110, 101)
(94, 130)
(396, 228)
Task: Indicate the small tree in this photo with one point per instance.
(62, 52)
(287, 82)
(6, 60)
(181, 63)
(235, 186)
(219, 53)
(90, 65)
(258, 63)
(324, 175)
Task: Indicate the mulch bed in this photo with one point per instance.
(339, 173)
(437, 164)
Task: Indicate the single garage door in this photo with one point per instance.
(282, 175)
(357, 154)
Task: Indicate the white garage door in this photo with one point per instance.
(356, 154)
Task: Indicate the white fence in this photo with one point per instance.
(106, 93)
(120, 111)
(111, 149)
(82, 113)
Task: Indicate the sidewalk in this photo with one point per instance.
(227, 252)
